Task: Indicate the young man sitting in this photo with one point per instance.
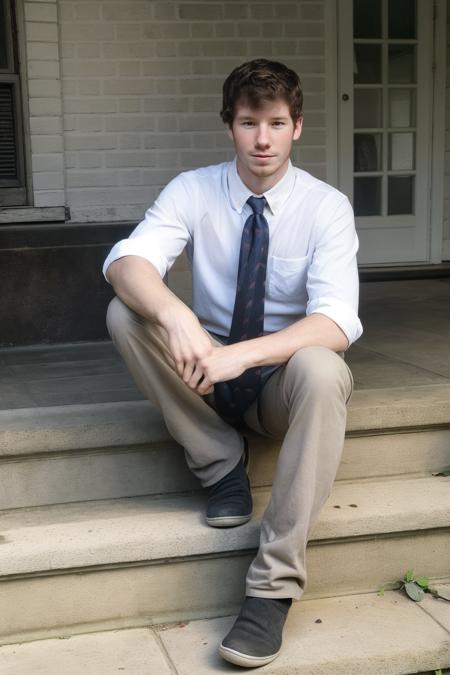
(275, 298)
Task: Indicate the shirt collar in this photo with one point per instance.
(275, 197)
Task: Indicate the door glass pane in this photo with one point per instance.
(367, 19)
(400, 195)
(402, 19)
(367, 152)
(367, 111)
(367, 196)
(367, 65)
(401, 152)
(3, 36)
(402, 64)
(402, 103)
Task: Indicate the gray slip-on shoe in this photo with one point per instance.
(256, 636)
(230, 500)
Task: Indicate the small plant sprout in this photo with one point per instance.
(415, 587)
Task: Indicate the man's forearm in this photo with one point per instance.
(276, 348)
(138, 284)
(228, 362)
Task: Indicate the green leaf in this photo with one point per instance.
(438, 672)
(381, 591)
(414, 591)
(409, 576)
(423, 581)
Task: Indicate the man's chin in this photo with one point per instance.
(263, 170)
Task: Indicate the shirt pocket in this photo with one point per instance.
(287, 278)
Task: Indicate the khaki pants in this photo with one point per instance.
(303, 402)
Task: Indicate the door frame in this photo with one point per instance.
(438, 132)
(335, 90)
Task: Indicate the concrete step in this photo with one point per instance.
(111, 450)
(349, 635)
(130, 562)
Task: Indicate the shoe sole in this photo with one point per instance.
(245, 660)
(228, 521)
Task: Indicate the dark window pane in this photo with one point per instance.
(8, 159)
(367, 19)
(367, 196)
(367, 64)
(367, 152)
(367, 109)
(402, 19)
(400, 195)
(3, 35)
(402, 64)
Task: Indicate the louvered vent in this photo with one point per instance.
(8, 150)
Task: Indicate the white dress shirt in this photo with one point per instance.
(311, 265)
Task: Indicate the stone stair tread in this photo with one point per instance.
(135, 651)
(121, 531)
(365, 633)
(76, 427)
(96, 425)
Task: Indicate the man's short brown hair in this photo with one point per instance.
(259, 81)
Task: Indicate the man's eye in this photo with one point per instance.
(247, 123)
(278, 124)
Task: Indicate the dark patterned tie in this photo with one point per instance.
(235, 396)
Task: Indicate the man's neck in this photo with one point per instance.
(260, 184)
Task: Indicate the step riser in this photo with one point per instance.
(70, 603)
(125, 472)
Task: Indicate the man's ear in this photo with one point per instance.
(298, 126)
(230, 132)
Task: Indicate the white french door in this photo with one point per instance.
(386, 94)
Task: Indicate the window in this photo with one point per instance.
(12, 165)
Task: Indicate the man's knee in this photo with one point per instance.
(320, 371)
(119, 318)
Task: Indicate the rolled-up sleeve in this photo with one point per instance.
(333, 284)
(165, 230)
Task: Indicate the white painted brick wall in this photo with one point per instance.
(45, 105)
(142, 89)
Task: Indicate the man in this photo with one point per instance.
(275, 296)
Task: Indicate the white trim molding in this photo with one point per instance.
(331, 91)
(12, 216)
(437, 252)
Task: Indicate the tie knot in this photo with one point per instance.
(257, 204)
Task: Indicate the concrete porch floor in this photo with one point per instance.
(406, 343)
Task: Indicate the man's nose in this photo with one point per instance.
(262, 138)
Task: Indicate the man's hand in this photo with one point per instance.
(197, 360)
(221, 364)
(188, 344)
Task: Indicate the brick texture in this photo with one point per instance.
(142, 89)
(44, 102)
